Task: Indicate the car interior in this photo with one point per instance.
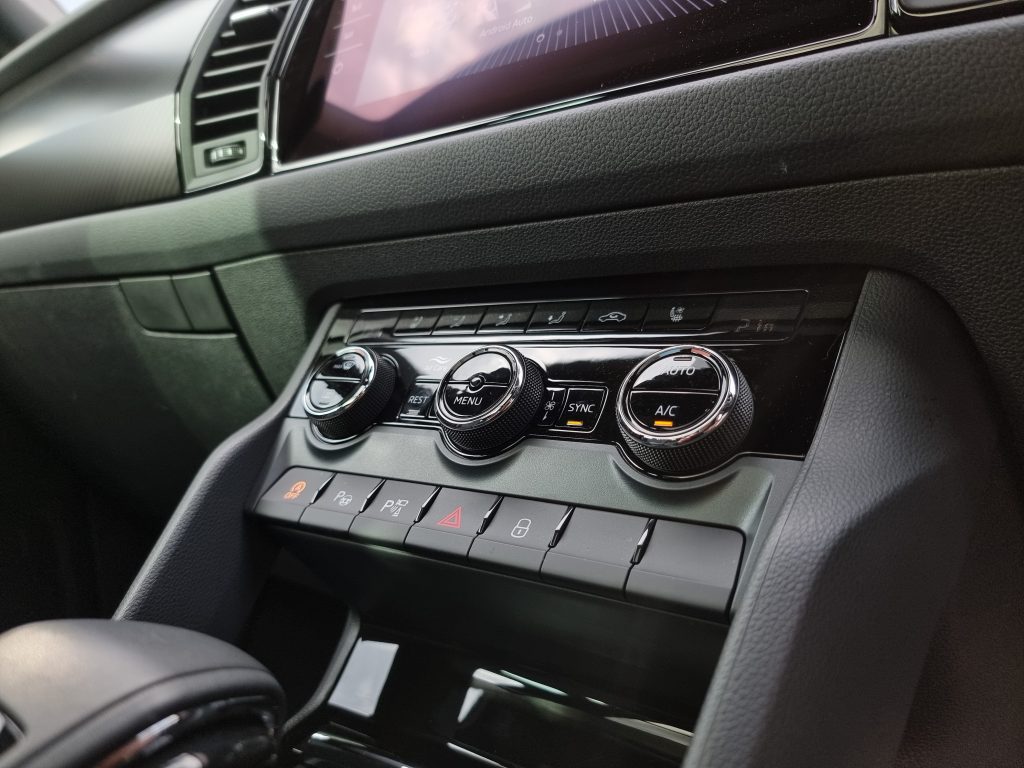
(511, 383)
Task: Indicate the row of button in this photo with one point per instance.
(654, 562)
(753, 315)
(570, 408)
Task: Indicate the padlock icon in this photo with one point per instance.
(522, 528)
(295, 490)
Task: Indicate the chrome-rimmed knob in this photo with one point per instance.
(488, 400)
(684, 409)
(347, 393)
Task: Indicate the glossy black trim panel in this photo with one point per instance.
(788, 362)
(485, 708)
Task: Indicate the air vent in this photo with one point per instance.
(222, 117)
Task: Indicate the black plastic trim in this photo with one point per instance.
(827, 646)
(207, 567)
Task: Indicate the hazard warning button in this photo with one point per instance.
(452, 521)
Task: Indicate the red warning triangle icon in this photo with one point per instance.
(453, 519)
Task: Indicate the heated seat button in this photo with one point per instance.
(595, 551)
(452, 521)
(690, 566)
(468, 400)
(416, 322)
(519, 534)
(615, 316)
(418, 401)
(557, 317)
(582, 409)
(341, 501)
(685, 313)
(506, 319)
(291, 493)
(459, 320)
(395, 507)
(373, 325)
(680, 372)
(670, 410)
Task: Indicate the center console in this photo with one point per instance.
(709, 517)
(554, 496)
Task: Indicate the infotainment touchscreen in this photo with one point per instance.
(366, 72)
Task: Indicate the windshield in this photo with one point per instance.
(22, 19)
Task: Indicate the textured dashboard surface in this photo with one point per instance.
(939, 100)
(95, 130)
(824, 655)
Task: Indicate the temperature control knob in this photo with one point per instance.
(488, 400)
(684, 410)
(348, 392)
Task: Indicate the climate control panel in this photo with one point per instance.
(679, 385)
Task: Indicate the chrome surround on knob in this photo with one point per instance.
(365, 381)
(689, 433)
(458, 423)
(364, 396)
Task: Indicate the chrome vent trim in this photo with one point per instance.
(221, 108)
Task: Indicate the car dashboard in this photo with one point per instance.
(605, 383)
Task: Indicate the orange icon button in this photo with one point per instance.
(295, 490)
